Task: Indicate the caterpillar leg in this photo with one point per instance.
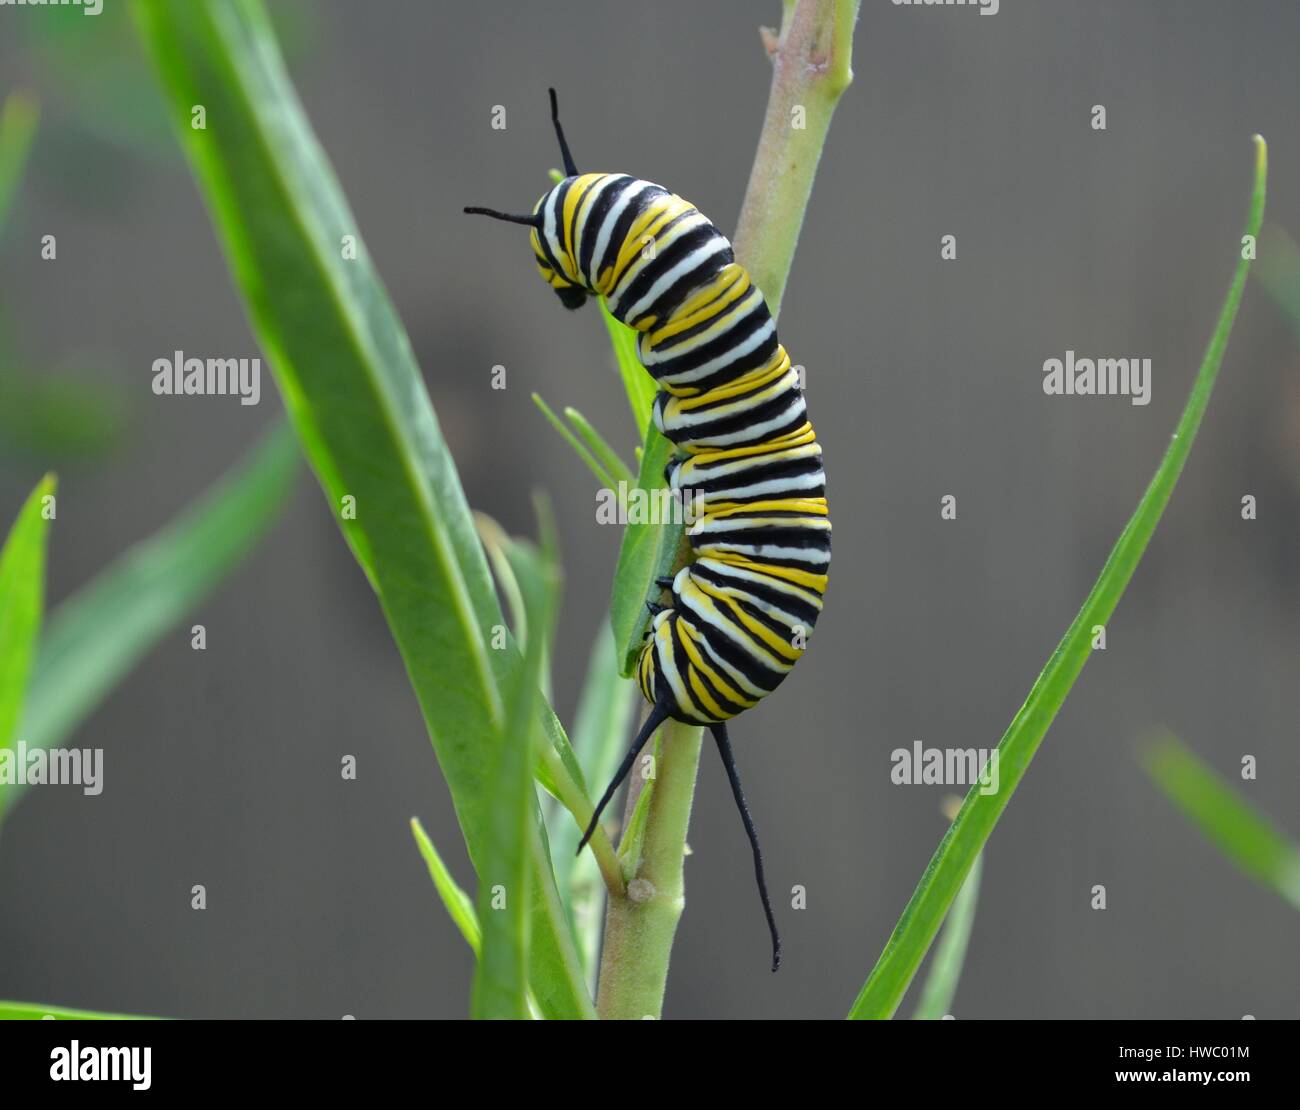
(658, 714)
(729, 762)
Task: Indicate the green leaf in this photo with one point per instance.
(496, 542)
(597, 444)
(945, 968)
(595, 465)
(17, 129)
(98, 635)
(505, 553)
(632, 841)
(459, 905)
(1248, 838)
(600, 737)
(30, 1011)
(956, 854)
(22, 601)
(345, 368)
(648, 552)
(501, 975)
(637, 382)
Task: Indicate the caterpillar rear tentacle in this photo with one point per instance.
(743, 609)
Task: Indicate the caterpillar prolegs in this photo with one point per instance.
(742, 610)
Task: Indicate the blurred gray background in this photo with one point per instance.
(924, 378)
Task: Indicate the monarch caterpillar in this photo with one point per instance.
(732, 404)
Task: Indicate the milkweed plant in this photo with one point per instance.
(552, 933)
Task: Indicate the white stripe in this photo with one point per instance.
(631, 190)
(781, 585)
(756, 489)
(588, 204)
(762, 552)
(752, 434)
(734, 632)
(756, 340)
(685, 266)
(731, 317)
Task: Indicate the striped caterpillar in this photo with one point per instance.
(741, 611)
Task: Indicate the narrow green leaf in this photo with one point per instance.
(98, 635)
(345, 368)
(17, 130)
(638, 384)
(648, 552)
(1248, 838)
(614, 466)
(22, 602)
(945, 968)
(495, 543)
(504, 553)
(633, 839)
(501, 974)
(31, 1011)
(459, 905)
(600, 737)
(603, 476)
(956, 854)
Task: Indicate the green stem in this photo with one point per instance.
(640, 925)
(811, 70)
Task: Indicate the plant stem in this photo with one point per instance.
(640, 925)
(811, 69)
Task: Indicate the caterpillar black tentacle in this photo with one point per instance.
(743, 609)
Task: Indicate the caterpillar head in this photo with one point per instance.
(554, 267)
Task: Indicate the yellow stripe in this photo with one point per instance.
(726, 687)
(731, 285)
(810, 581)
(811, 506)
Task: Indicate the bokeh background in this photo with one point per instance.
(924, 378)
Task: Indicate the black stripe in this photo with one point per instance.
(635, 208)
(800, 608)
(595, 218)
(573, 223)
(802, 539)
(731, 338)
(712, 487)
(748, 417)
(663, 261)
(738, 306)
(558, 194)
(727, 705)
(754, 669)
